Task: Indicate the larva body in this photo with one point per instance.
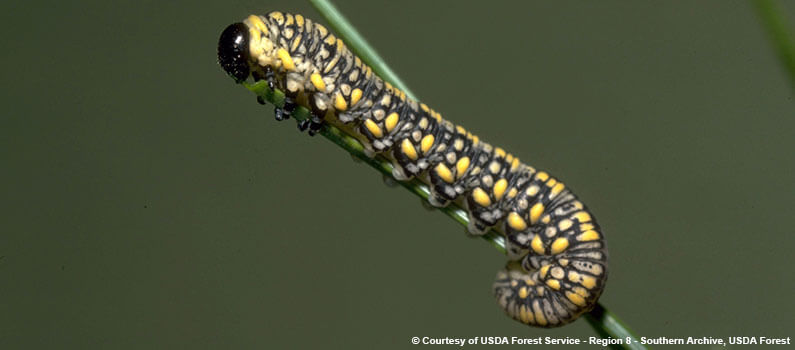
(557, 265)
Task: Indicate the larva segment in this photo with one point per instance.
(557, 265)
(386, 119)
(420, 142)
(449, 179)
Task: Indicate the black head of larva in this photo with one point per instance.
(233, 51)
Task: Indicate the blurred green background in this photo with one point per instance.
(149, 202)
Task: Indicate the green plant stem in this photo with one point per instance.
(604, 322)
(777, 28)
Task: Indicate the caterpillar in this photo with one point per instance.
(557, 255)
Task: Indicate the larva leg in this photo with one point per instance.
(314, 128)
(289, 102)
(311, 125)
(303, 125)
(315, 121)
(270, 77)
(284, 112)
(289, 106)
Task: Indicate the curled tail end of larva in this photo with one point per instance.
(527, 298)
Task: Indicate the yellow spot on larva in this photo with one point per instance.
(499, 188)
(299, 20)
(537, 245)
(564, 224)
(296, 42)
(475, 139)
(581, 291)
(552, 182)
(330, 39)
(532, 191)
(255, 49)
(589, 235)
(516, 222)
(340, 104)
(535, 212)
(321, 29)
(512, 193)
(582, 216)
(559, 245)
(461, 166)
(437, 116)
(426, 143)
(356, 95)
(575, 298)
(574, 276)
(444, 173)
(278, 16)
(546, 219)
(542, 176)
(588, 282)
(556, 190)
(287, 61)
(408, 149)
(289, 21)
(586, 227)
(257, 22)
(523, 292)
(515, 163)
(481, 197)
(255, 34)
(460, 129)
(524, 315)
(544, 269)
(331, 64)
(424, 107)
(554, 284)
(317, 81)
(499, 152)
(391, 121)
(539, 313)
(373, 128)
